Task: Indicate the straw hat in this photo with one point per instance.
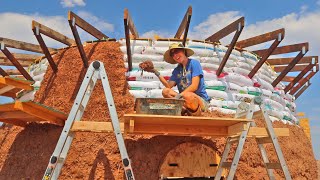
(169, 59)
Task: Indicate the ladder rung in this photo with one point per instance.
(264, 140)
(273, 165)
(226, 164)
(60, 160)
(81, 107)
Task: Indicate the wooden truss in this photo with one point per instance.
(303, 81)
(277, 36)
(75, 21)
(236, 26)
(184, 26)
(39, 29)
(129, 27)
(11, 86)
(305, 87)
(302, 47)
(24, 59)
(5, 42)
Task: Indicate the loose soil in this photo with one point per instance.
(25, 152)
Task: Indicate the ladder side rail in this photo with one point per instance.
(87, 93)
(275, 143)
(115, 123)
(222, 160)
(62, 139)
(264, 156)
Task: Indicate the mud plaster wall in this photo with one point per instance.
(24, 153)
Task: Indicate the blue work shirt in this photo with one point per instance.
(183, 77)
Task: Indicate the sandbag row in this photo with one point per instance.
(37, 72)
(227, 91)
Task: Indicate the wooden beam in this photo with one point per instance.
(23, 45)
(72, 23)
(44, 47)
(262, 132)
(21, 84)
(130, 24)
(301, 74)
(16, 63)
(288, 78)
(7, 62)
(235, 26)
(40, 28)
(91, 126)
(184, 26)
(303, 82)
(3, 72)
(285, 61)
(301, 91)
(127, 35)
(72, 17)
(277, 36)
(296, 68)
(304, 47)
(285, 49)
(21, 57)
(274, 35)
(12, 72)
(41, 112)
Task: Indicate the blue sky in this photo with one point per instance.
(299, 18)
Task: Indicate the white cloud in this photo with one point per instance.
(303, 9)
(18, 26)
(153, 33)
(72, 3)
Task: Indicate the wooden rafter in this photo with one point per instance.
(23, 45)
(7, 62)
(305, 87)
(184, 26)
(296, 68)
(235, 26)
(288, 78)
(74, 21)
(285, 61)
(302, 47)
(302, 73)
(52, 33)
(21, 57)
(129, 27)
(303, 81)
(276, 35)
(15, 62)
(3, 72)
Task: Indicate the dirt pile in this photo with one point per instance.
(24, 153)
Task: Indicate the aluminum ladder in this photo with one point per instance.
(95, 71)
(248, 111)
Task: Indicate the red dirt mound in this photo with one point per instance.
(24, 153)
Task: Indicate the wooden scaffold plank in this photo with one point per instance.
(276, 35)
(184, 26)
(236, 26)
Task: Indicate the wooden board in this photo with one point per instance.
(21, 113)
(10, 86)
(182, 125)
(190, 160)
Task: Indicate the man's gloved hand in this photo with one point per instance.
(178, 96)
